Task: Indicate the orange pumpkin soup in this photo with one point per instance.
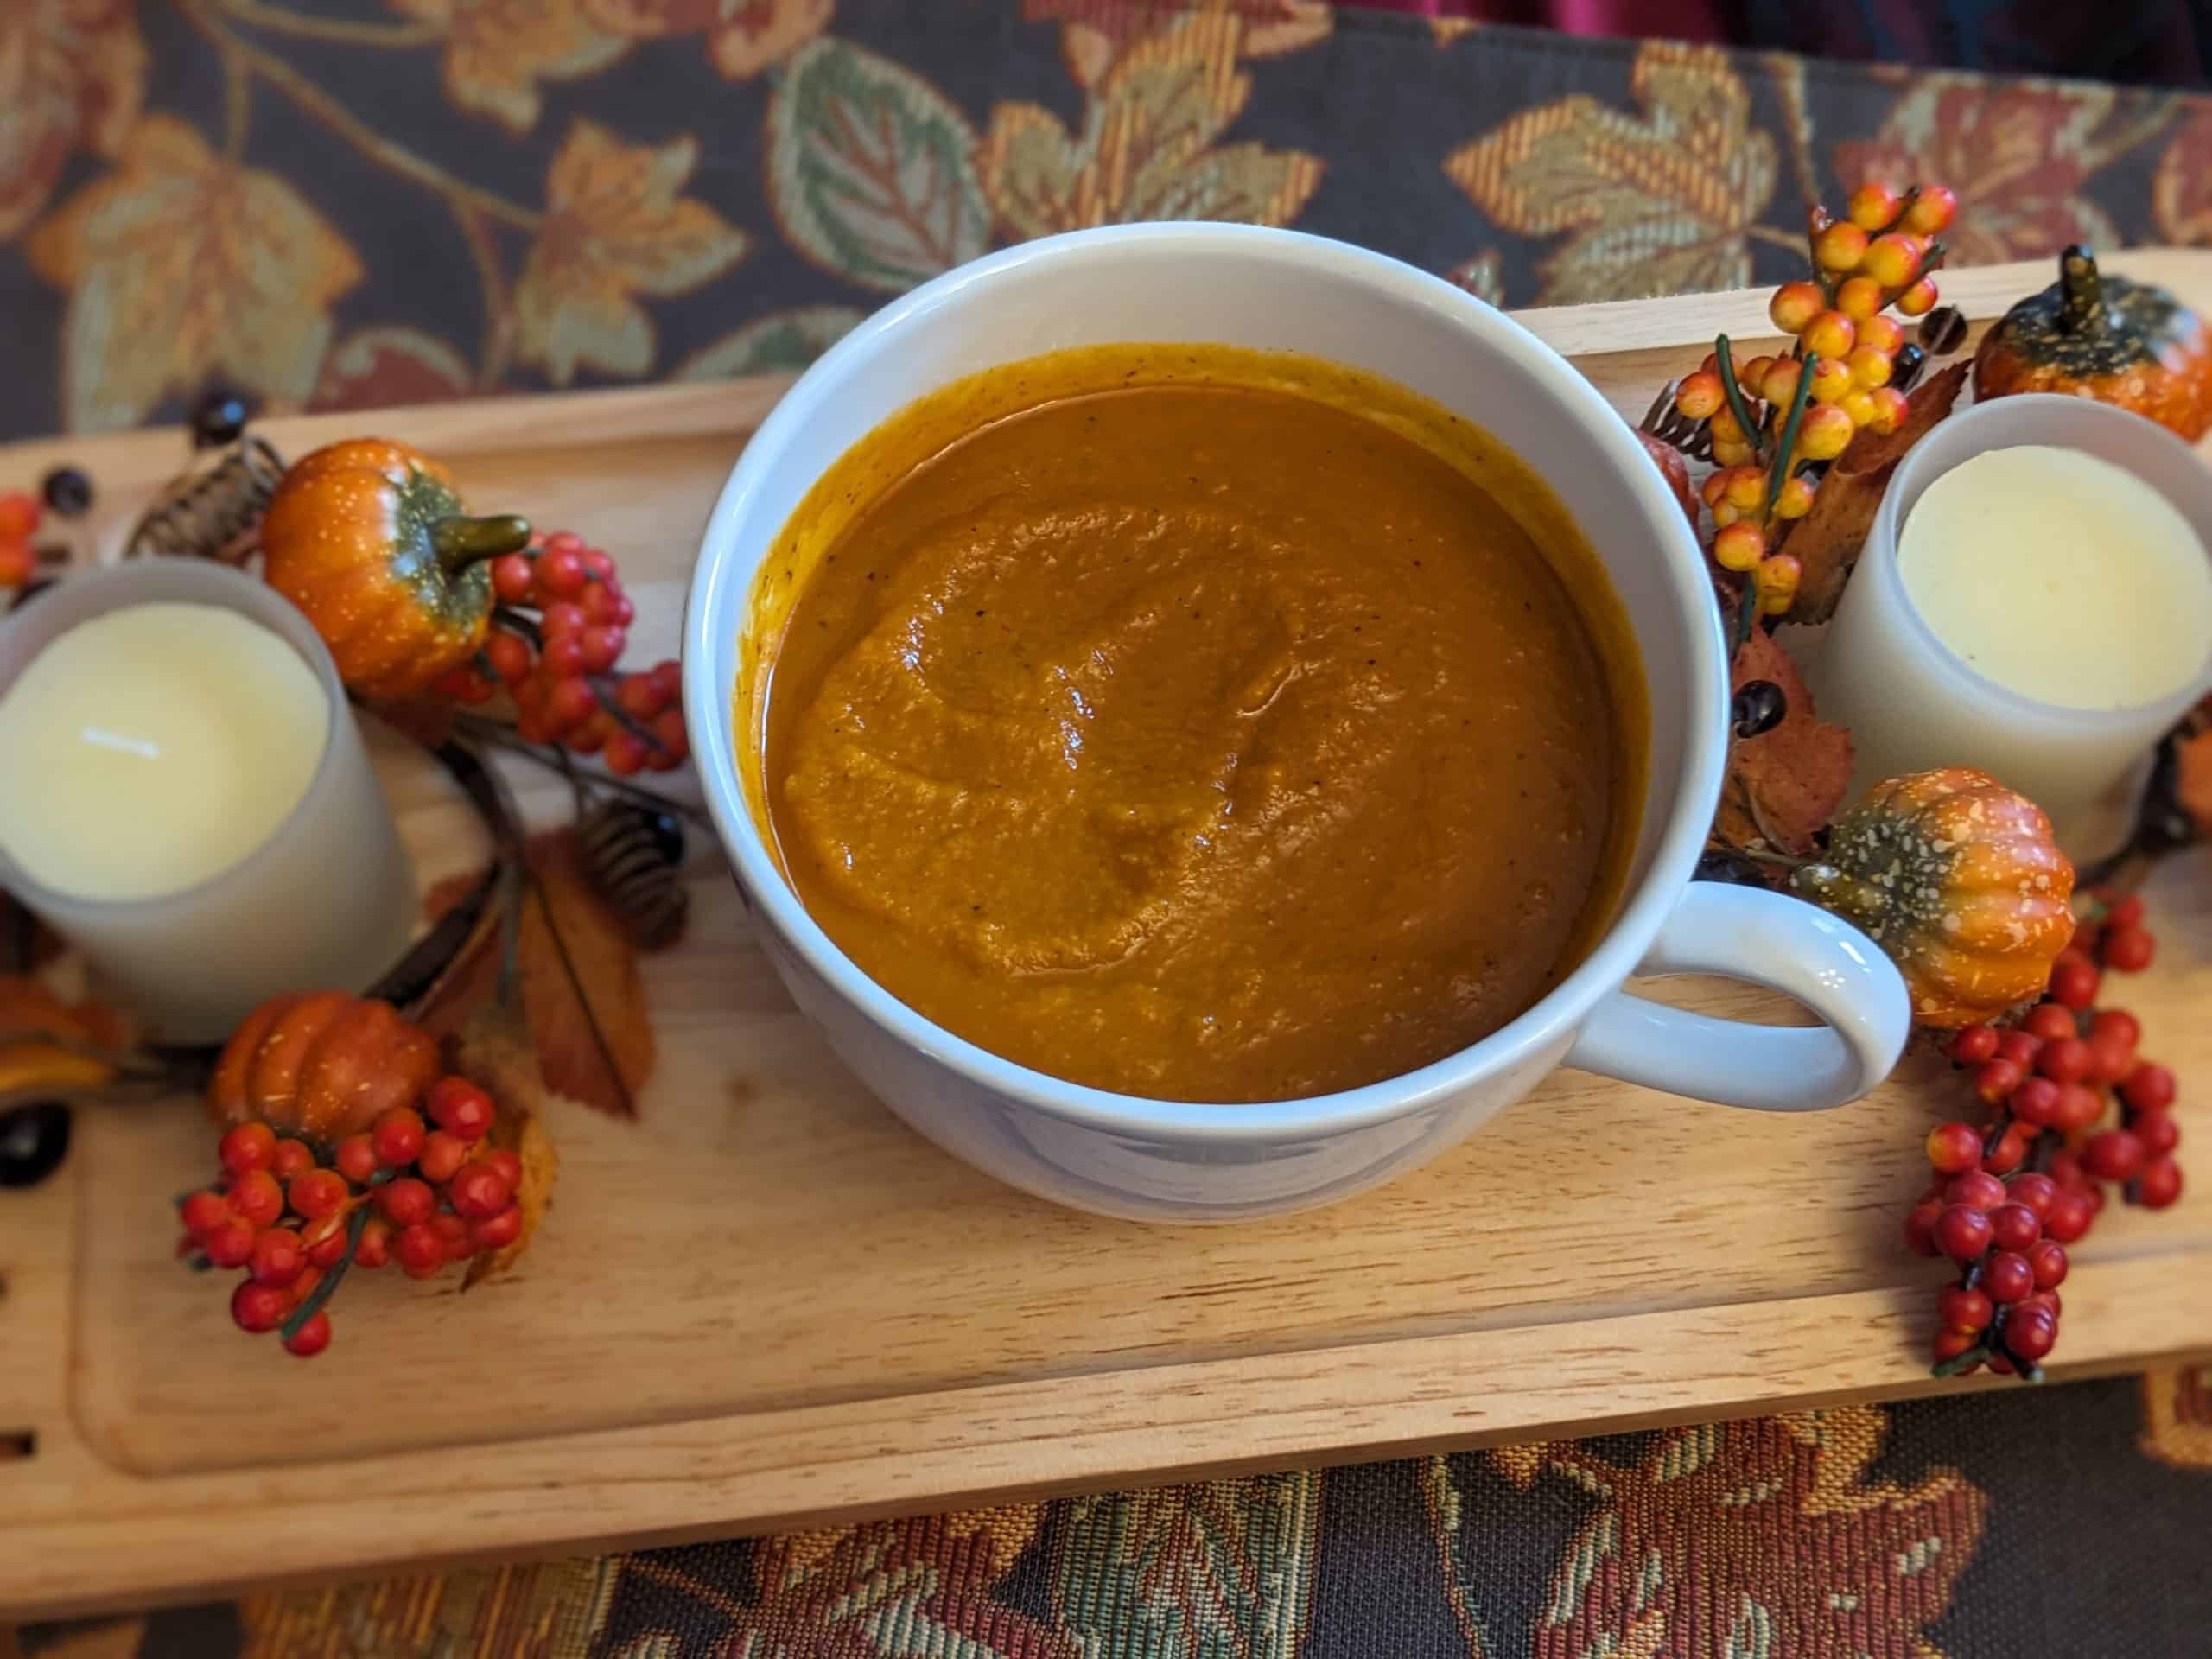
(1195, 723)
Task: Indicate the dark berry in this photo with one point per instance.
(34, 1140)
(218, 417)
(67, 490)
(1943, 330)
(1906, 367)
(1725, 864)
(1757, 708)
(668, 837)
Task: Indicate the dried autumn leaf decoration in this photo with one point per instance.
(46, 1043)
(493, 1052)
(583, 1000)
(182, 266)
(615, 227)
(1784, 784)
(1659, 202)
(1148, 148)
(2193, 769)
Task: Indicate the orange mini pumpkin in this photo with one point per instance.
(2091, 335)
(321, 1064)
(1958, 879)
(369, 539)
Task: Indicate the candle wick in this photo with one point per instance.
(138, 745)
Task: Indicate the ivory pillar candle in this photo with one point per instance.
(2035, 599)
(185, 798)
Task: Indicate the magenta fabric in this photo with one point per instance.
(1680, 19)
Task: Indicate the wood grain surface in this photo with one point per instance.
(766, 1303)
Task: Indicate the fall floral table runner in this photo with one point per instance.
(348, 204)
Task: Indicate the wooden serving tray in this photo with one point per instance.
(766, 1304)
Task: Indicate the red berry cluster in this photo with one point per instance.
(2010, 1195)
(558, 630)
(295, 1215)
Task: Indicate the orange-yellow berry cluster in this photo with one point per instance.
(1880, 255)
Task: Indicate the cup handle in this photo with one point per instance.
(1773, 940)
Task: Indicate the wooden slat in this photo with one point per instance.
(767, 1304)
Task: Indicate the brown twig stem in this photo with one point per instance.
(392, 156)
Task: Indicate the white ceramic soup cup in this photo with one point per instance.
(1170, 1160)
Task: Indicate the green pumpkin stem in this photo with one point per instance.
(2080, 291)
(460, 542)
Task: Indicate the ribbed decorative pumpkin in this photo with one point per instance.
(1958, 879)
(2091, 335)
(369, 539)
(321, 1064)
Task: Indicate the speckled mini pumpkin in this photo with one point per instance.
(320, 1063)
(369, 539)
(1958, 879)
(2130, 344)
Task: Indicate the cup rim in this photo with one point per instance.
(719, 589)
(2063, 411)
(227, 588)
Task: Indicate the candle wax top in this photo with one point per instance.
(2060, 577)
(154, 747)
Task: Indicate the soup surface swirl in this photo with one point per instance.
(1207, 735)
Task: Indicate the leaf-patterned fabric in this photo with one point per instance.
(2065, 1523)
(349, 204)
(343, 204)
